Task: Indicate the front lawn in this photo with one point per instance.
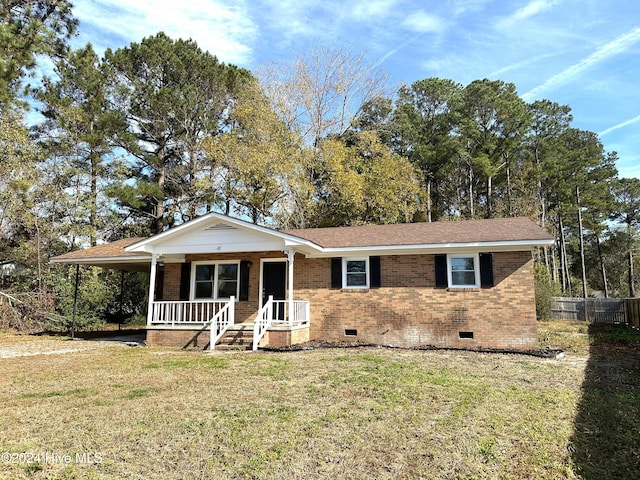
(122, 412)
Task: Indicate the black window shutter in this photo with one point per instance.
(244, 280)
(374, 273)
(486, 270)
(441, 271)
(336, 272)
(185, 280)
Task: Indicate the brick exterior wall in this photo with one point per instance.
(407, 310)
(179, 338)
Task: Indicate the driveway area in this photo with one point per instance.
(29, 345)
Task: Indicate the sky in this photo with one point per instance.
(581, 53)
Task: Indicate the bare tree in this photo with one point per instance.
(322, 90)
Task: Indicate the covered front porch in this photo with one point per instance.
(272, 325)
(212, 276)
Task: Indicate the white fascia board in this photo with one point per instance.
(105, 260)
(503, 246)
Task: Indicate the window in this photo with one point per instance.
(356, 273)
(463, 271)
(215, 280)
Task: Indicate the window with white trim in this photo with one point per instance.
(217, 280)
(355, 272)
(463, 271)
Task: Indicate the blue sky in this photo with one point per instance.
(582, 53)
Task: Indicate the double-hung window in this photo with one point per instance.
(463, 271)
(215, 280)
(355, 272)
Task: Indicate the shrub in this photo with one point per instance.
(545, 290)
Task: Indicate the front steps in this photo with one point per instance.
(237, 337)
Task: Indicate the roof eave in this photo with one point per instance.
(501, 246)
(100, 260)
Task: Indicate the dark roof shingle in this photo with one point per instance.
(108, 250)
(468, 231)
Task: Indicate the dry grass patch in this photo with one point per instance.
(353, 413)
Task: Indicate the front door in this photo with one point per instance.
(274, 282)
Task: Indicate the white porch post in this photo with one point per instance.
(152, 287)
(290, 256)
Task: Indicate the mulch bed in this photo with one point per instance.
(319, 344)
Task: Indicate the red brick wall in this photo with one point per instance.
(179, 338)
(407, 309)
(245, 311)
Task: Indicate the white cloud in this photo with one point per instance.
(225, 29)
(615, 47)
(371, 9)
(626, 123)
(523, 63)
(531, 9)
(423, 22)
(461, 7)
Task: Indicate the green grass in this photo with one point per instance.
(357, 413)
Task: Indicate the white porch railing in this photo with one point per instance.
(279, 312)
(185, 312)
(221, 322)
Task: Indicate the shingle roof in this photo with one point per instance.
(469, 231)
(108, 250)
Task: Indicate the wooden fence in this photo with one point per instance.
(599, 310)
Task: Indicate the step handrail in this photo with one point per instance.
(262, 322)
(221, 322)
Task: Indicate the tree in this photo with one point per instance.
(363, 182)
(319, 95)
(626, 192)
(173, 96)
(77, 129)
(29, 28)
(493, 121)
(424, 121)
(581, 163)
(322, 90)
(17, 175)
(258, 158)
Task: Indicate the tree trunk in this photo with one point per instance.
(471, 212)
(564, 265)
(489, 186)
(93, 201)
(509, 192)
(159, 213)
(632, 290)
(581, 240)
(429, 206)
(603, 271)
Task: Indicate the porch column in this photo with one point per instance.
(290, 256)
(152, 287)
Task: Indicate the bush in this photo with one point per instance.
(545, 289)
